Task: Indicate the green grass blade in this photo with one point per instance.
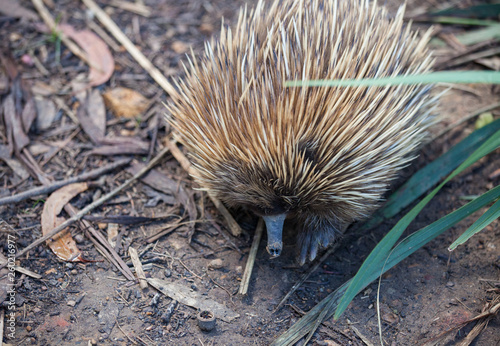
(468, 77)
(381, 251)
(405, 248)
(491, 215)
(478, 11)
(430, 175)
(462, 21)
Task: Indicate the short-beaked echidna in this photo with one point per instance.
(323, 156)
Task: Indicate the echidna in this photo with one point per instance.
(323, 156)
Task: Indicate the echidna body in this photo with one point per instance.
(323, 156)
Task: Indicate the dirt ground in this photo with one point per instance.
(93, 303)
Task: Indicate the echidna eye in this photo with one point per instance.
(307, 150)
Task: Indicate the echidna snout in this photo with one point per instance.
(322, 156)
(274, 226)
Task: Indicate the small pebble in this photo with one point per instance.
(215, 264)
(450, 284)
(78, 238)
(71, 303)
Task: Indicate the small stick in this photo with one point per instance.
(307, 274)
(102, 245)
(251, 258)
(46, 189)
(95, 204)
(128, 337)
(186, 165)
(22, 270)
(2, 318)
(130, 47)
(138, 267)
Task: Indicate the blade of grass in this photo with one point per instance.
(488, 217)
(479, 11)
(380, 252)
(430, 175)
(461, 21)
(404, 249)
(467, 77)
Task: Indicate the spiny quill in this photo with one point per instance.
(320, 156)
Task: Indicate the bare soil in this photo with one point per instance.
(92, 302)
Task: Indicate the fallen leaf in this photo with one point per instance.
(46, 110)
(125, 102)
(183, 295)
(14, 9)
(92, 116)
(13, 124)
(97, 52)
(29, 114)
(63, 245)
(162, 183)
(15, 165)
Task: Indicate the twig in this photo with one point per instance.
(186, 165)
(138, 267)
(361, 336)
(102, 244)
(251, 258)
(306, 275)
(2, 319)
(189, 270)
(130, 47)
(22, 270)
(128, 337)
(46, 189)
(47, 18)
(95, 204)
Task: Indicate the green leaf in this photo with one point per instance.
(430, 175)
(467, 77)
(405, 248)
(383, 248)
(491, 215)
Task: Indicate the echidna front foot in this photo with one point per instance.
(312, 240)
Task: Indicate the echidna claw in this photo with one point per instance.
(274, 225)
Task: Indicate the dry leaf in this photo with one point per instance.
(97, 52)
(92, 116)
(29, 114)
(63, 245)
(14, 9)
(125, 102)
(46, 110)
(13, 124)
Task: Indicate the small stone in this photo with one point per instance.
(238, 269)
(179, 47)
(74, 272)
(71, 303)
(78, 238)
(215, 264)
(450, 284)
(206, 28)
